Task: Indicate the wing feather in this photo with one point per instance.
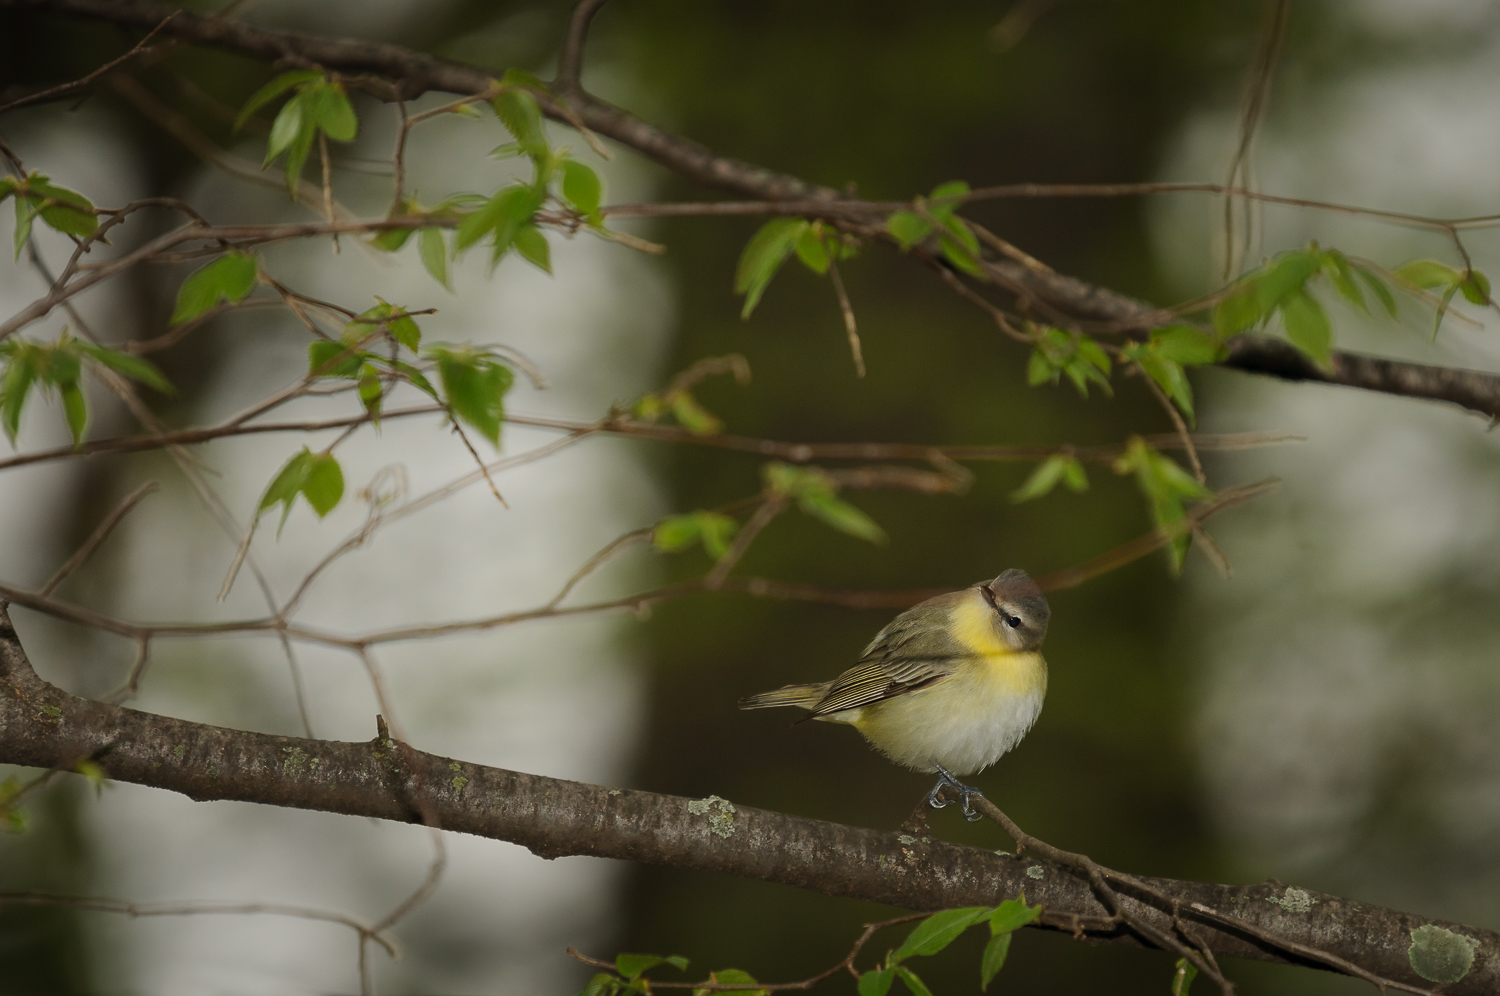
(908, 654)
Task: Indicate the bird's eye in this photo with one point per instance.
(1014, 622)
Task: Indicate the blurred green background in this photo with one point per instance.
(891, 99)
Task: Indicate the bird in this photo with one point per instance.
(947, 687)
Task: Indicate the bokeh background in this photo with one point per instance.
(1326, 717)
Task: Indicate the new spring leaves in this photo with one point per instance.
(474, 384)
(60, 209)
(318, 105)
(507, 219)
(928, 938)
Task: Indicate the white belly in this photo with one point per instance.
(964, 723)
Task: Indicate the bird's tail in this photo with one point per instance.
(805, 696)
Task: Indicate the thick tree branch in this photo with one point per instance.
(44, 726)
(396, 73)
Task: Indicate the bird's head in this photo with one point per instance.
(1021, 610)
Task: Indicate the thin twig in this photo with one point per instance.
(768, 510)
(850, 328)
(99, 535)
(64, 88)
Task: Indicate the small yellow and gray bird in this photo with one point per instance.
(948, 687)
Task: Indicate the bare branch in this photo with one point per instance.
(43, 726)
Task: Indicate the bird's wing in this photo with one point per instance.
(902, 658)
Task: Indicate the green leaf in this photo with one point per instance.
(632, 965)
(517, 109)
(92, 773)
(1094, 354)
(501, 216)
(15, 385)
(993, 959)
(1165, 485)
(602, 984)
(1476, 287)
(75, 408)
(434, 255)
(332, 112)
(915, 985)
(694, 417)
(1074, 477)
(678, 532)
(581, 188)
(1442, 309)
(296, 157)
(333, 359)
(272, 90)
(228, 278)
(1013, 914)
(767, 249)
(324, 483)
(392, 239)
(133, 367)
(812, 250)
(1168, 375)
(26, 212)
(371, 391)
(1182, 978)
(1045, 477)
(315, 476)
(1308, 328)
(1187, 345)
(939, 930)
(1286, 275)
(1239, 311)
(285, 486)
(533, 247)
(475, 384)
(383, 315)
(877, 982)
(960, 246)
(946, 198)
(1336, 267)
(907, 228)
(732, 977)
(1378, 288)
(418, 379)
(64, 210)
(1426, 274)
(1039, 370)
(291, 122)
(842, 516)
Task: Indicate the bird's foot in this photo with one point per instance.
(946, 780)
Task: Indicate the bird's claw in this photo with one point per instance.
(965, 792)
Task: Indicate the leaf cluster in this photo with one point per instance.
(714, 530)
(61, 209)
(317, 477)
(938, 931)
(936, 215)
(507, 218)
(228, 279)
(57, 368)
(1166, 355)
(1283, 287)
(817, 244)
(319, 103)
(1059, 352)
(816, 495)
(1166, 486)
